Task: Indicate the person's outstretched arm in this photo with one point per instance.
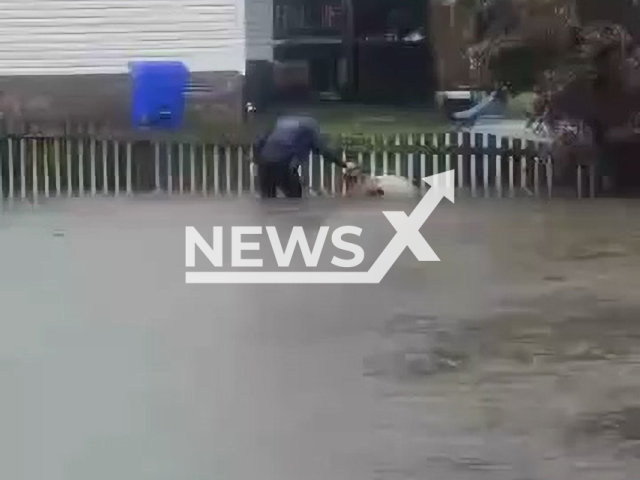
(320, 147)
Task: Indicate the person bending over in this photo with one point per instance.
(284, 149)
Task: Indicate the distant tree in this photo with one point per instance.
(588, 73)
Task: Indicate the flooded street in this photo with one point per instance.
(516, 357)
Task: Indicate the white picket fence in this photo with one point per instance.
(33, 167)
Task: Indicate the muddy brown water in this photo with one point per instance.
(516, 357)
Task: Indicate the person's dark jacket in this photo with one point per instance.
(291, 142)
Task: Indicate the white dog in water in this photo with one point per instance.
(358, 184)
(393, 185)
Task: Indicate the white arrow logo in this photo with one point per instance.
(407, 235)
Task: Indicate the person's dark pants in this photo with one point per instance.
(274, 176)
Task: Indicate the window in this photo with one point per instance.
(376, 18)
(310, 17)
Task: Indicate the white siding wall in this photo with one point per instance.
(259, 14)
(40, 37)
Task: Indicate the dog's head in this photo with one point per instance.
(360, 183)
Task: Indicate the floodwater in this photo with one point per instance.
(516, 357)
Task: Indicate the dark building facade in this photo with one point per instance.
(376, 51)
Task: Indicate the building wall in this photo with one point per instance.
(259, 29)
(58, 37)
(260, 52)
(68, 59)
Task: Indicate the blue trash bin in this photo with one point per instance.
(158, 94)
